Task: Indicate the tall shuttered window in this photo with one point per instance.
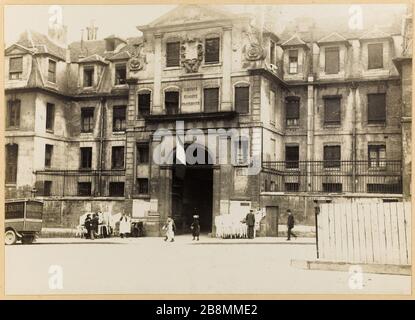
(173, 54)
(292, 156)
(212, 50)
(332, 115)
(52, 71)
(332, 156)
(12, 151)
(13, 113)
(119, 118)
(171, 102)
(87, 119)
(242, 99)
(86, 158)
(376, 108)
(293, 61)
(144, 102)
(117, 158)
(50, 116)
(211, 99)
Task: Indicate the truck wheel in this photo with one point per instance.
(28, 239)
(10, 237)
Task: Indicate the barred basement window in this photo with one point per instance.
(48, 155)
(116, 189)
(118, 118)
(142, 153)
(332, 156)
(120, 74)
(291, 157)
(171, 102)
(332, 187)
(12, 152)
(15, 68)
(84, 189)
(377, 156)
(293, 61)
(50, 116)
(292, 186)
(212, 50)
(142, 185)
(292, 111)
(88, 76)
(47, 188)
(173, 54)
(242, 99)
(376, 108)
(87, 119)
(52, 71)
(86, 157)
(144, 102)
(384, 188)
(211, 99)
(332, 114)
(375, 55)
(13, 113)
(117, 158)
(332, 60)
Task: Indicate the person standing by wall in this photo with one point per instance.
(250, 222)
(94, 226)
(87, 224)
(170, 228)
(125, 225)
(290, 225)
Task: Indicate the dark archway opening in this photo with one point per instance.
(192, 192)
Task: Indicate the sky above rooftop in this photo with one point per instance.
(122, 20)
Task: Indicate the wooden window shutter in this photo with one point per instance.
(375, 55)
(376, 108)
(212, 50)
(173, 54)
(332, 113)
(16, 64)
(211, 99)
(292, 108)
(242, 99)
(332, 64)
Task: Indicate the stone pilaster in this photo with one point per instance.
(226, 104)
(157, 103)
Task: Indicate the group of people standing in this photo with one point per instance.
(91, 225)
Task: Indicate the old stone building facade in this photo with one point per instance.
(320, 112)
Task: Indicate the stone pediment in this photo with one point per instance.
(17, 49)
(185, 14)
(332, 38)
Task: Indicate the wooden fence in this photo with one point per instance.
(365, 233)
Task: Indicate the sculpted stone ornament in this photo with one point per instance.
(191, 54)
(137, 60)
(254, 51)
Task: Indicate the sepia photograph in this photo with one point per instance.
(207, 149)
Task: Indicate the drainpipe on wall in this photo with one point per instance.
(101, 143)
(354, 143)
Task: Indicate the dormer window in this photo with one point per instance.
(120, 74)
(52, 71)
(109, 44)
(15, 68)
(375, 55)
(293, 61)
(332, 60)
(88, 76)
(272, 52)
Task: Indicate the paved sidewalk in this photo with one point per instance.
(181, 239)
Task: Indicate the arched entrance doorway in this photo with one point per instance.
(192, 191)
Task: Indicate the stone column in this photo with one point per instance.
(227, 92)
(157, 104)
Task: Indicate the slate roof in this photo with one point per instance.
(35, 40)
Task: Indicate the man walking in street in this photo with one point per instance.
(290, 225)
(250, 222)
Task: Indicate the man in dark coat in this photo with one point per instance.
(94, 225)
(290, 225)
(195, 226)
(250, 222)
(87, 224)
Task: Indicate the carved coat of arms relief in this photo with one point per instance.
(191, 54)
(138, 59)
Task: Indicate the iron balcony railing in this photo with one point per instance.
(80, 182)
(381, 176)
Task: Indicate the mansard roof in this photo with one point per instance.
(41, 44)
(92, 58)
